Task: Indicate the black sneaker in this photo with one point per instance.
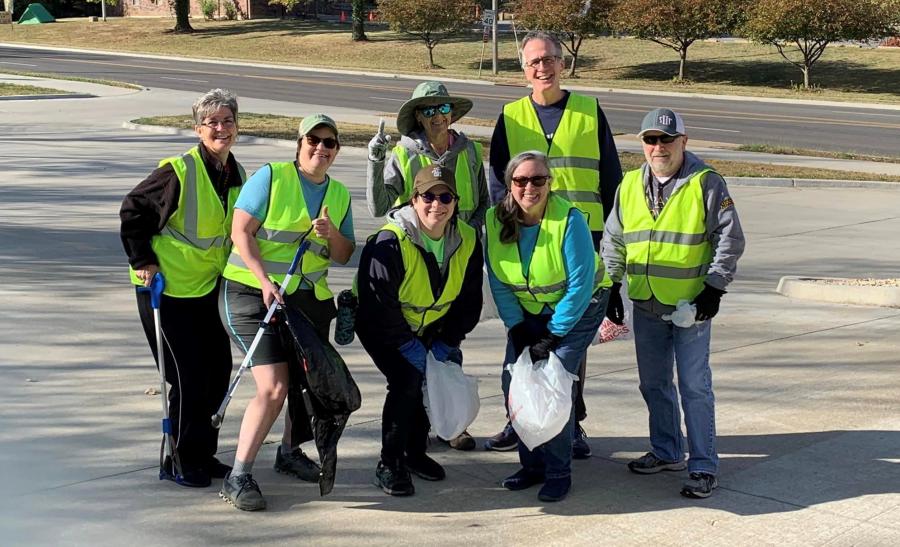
(190, 476)
(522, 479)
(425, 467)
(217, 469)
(506, 440)
(394, 481)
(700, 485)
(649, 464)
(555, 489)
(297, 464)
(581, 450)
(242, 492)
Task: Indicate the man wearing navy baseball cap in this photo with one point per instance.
(675, 234)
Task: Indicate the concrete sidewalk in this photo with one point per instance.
(808, 407)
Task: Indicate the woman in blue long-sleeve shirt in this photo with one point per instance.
(551, 292)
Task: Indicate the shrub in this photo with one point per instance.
(208, 7)
(231, 12)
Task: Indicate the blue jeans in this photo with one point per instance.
(660, 345)
(553, 459)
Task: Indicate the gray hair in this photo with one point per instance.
(519, 159)
(544, 37)
(213, 100)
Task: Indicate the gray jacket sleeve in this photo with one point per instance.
(384, 182)
(723, 228)
(484, 199)
(612, 250)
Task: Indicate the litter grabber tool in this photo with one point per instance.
(219, 416)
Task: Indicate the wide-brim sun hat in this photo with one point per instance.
(427, 94)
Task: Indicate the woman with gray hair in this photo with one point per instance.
(551, 292)
(177, 222)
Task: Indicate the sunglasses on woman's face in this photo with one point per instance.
(446, 198)
(329, 142)
(538, 180)
(430, 111)
(665, 139)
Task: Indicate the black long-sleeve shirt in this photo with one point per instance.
(148, 207)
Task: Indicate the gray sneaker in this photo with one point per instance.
(649, 464)
(297, 464)
(242, 492)
(700, 485)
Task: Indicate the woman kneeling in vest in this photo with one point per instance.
(277, 207)
(177, 222)
(551, 292)
(419, 285)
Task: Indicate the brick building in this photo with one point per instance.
(247, 9)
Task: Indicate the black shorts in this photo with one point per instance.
(241, 309)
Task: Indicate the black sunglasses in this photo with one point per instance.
(538, 180)
(329, 142)
(446, 198)
(665, 139)
(430, 111)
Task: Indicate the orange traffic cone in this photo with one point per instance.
(371, 16)
(343, 16)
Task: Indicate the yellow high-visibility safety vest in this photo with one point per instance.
(574, 151)
(666, 257)
(465, 172)
(545, 282)
(193, 246)
(287, 219)
(418, 304)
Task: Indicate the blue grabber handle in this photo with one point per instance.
(297, 256)
(156, 288)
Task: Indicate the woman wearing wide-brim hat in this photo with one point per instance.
(424, 123)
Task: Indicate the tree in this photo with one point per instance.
(804, 27)
(182, 9)
(429, 20)
(571, 20)
(286, 5)
(358, 20)
(677, 24)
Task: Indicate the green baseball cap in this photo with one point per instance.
(311, 122)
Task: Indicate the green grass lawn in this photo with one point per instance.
(843, 73)
(7, 90)
(285, 127)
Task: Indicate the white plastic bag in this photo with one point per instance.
(609, 331)
(540, 398)
(683, 316)
(451, 398)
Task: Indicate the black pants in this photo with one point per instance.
(404, 424)
(198, 367)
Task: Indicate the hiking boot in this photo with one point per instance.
(394, 480)
(463, 442)
(426, 468)
(297, 464)
(190, 476)
(555, 489)
(217, 469)
(649, 464)
(506, 440)
(242, 492)
(522, 479)
(700, 485)
(581, 450)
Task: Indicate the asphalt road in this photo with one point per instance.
(849, 129)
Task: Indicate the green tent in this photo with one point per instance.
(35, 15)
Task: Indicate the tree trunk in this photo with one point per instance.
(359, 21)
(805, 70)
(430, 47)
(182, 14)
(574, 62)
(682, 53)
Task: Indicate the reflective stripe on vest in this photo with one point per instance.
(287, 220)
(193, 245)
(545, 282)
(465, 172)
(574, 151)
(666, 258)
(417, 303)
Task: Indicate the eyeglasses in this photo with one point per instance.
(214, 124)
(548, 60)
(446, 198)
(537, 180)
(328, 142)
(665, 139)
(430, 111)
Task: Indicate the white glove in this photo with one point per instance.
(379, 143)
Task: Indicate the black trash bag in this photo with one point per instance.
(321, 393)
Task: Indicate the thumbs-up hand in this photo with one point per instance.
(379, 143)
(322, 226)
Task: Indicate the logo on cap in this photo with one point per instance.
(664, 119)
(436, 172)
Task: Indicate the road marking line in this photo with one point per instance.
(388, 99)
(184, 80)
(712, 129)
(17, 64)
(864, 113)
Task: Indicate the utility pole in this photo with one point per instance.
(494, 36)
(103, 10)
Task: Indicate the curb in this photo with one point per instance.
(48, 96)
(420, 77)
(807, 288)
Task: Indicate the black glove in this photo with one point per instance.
(541, 349)
(707, 302)
(520, 337)
(615, 309)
